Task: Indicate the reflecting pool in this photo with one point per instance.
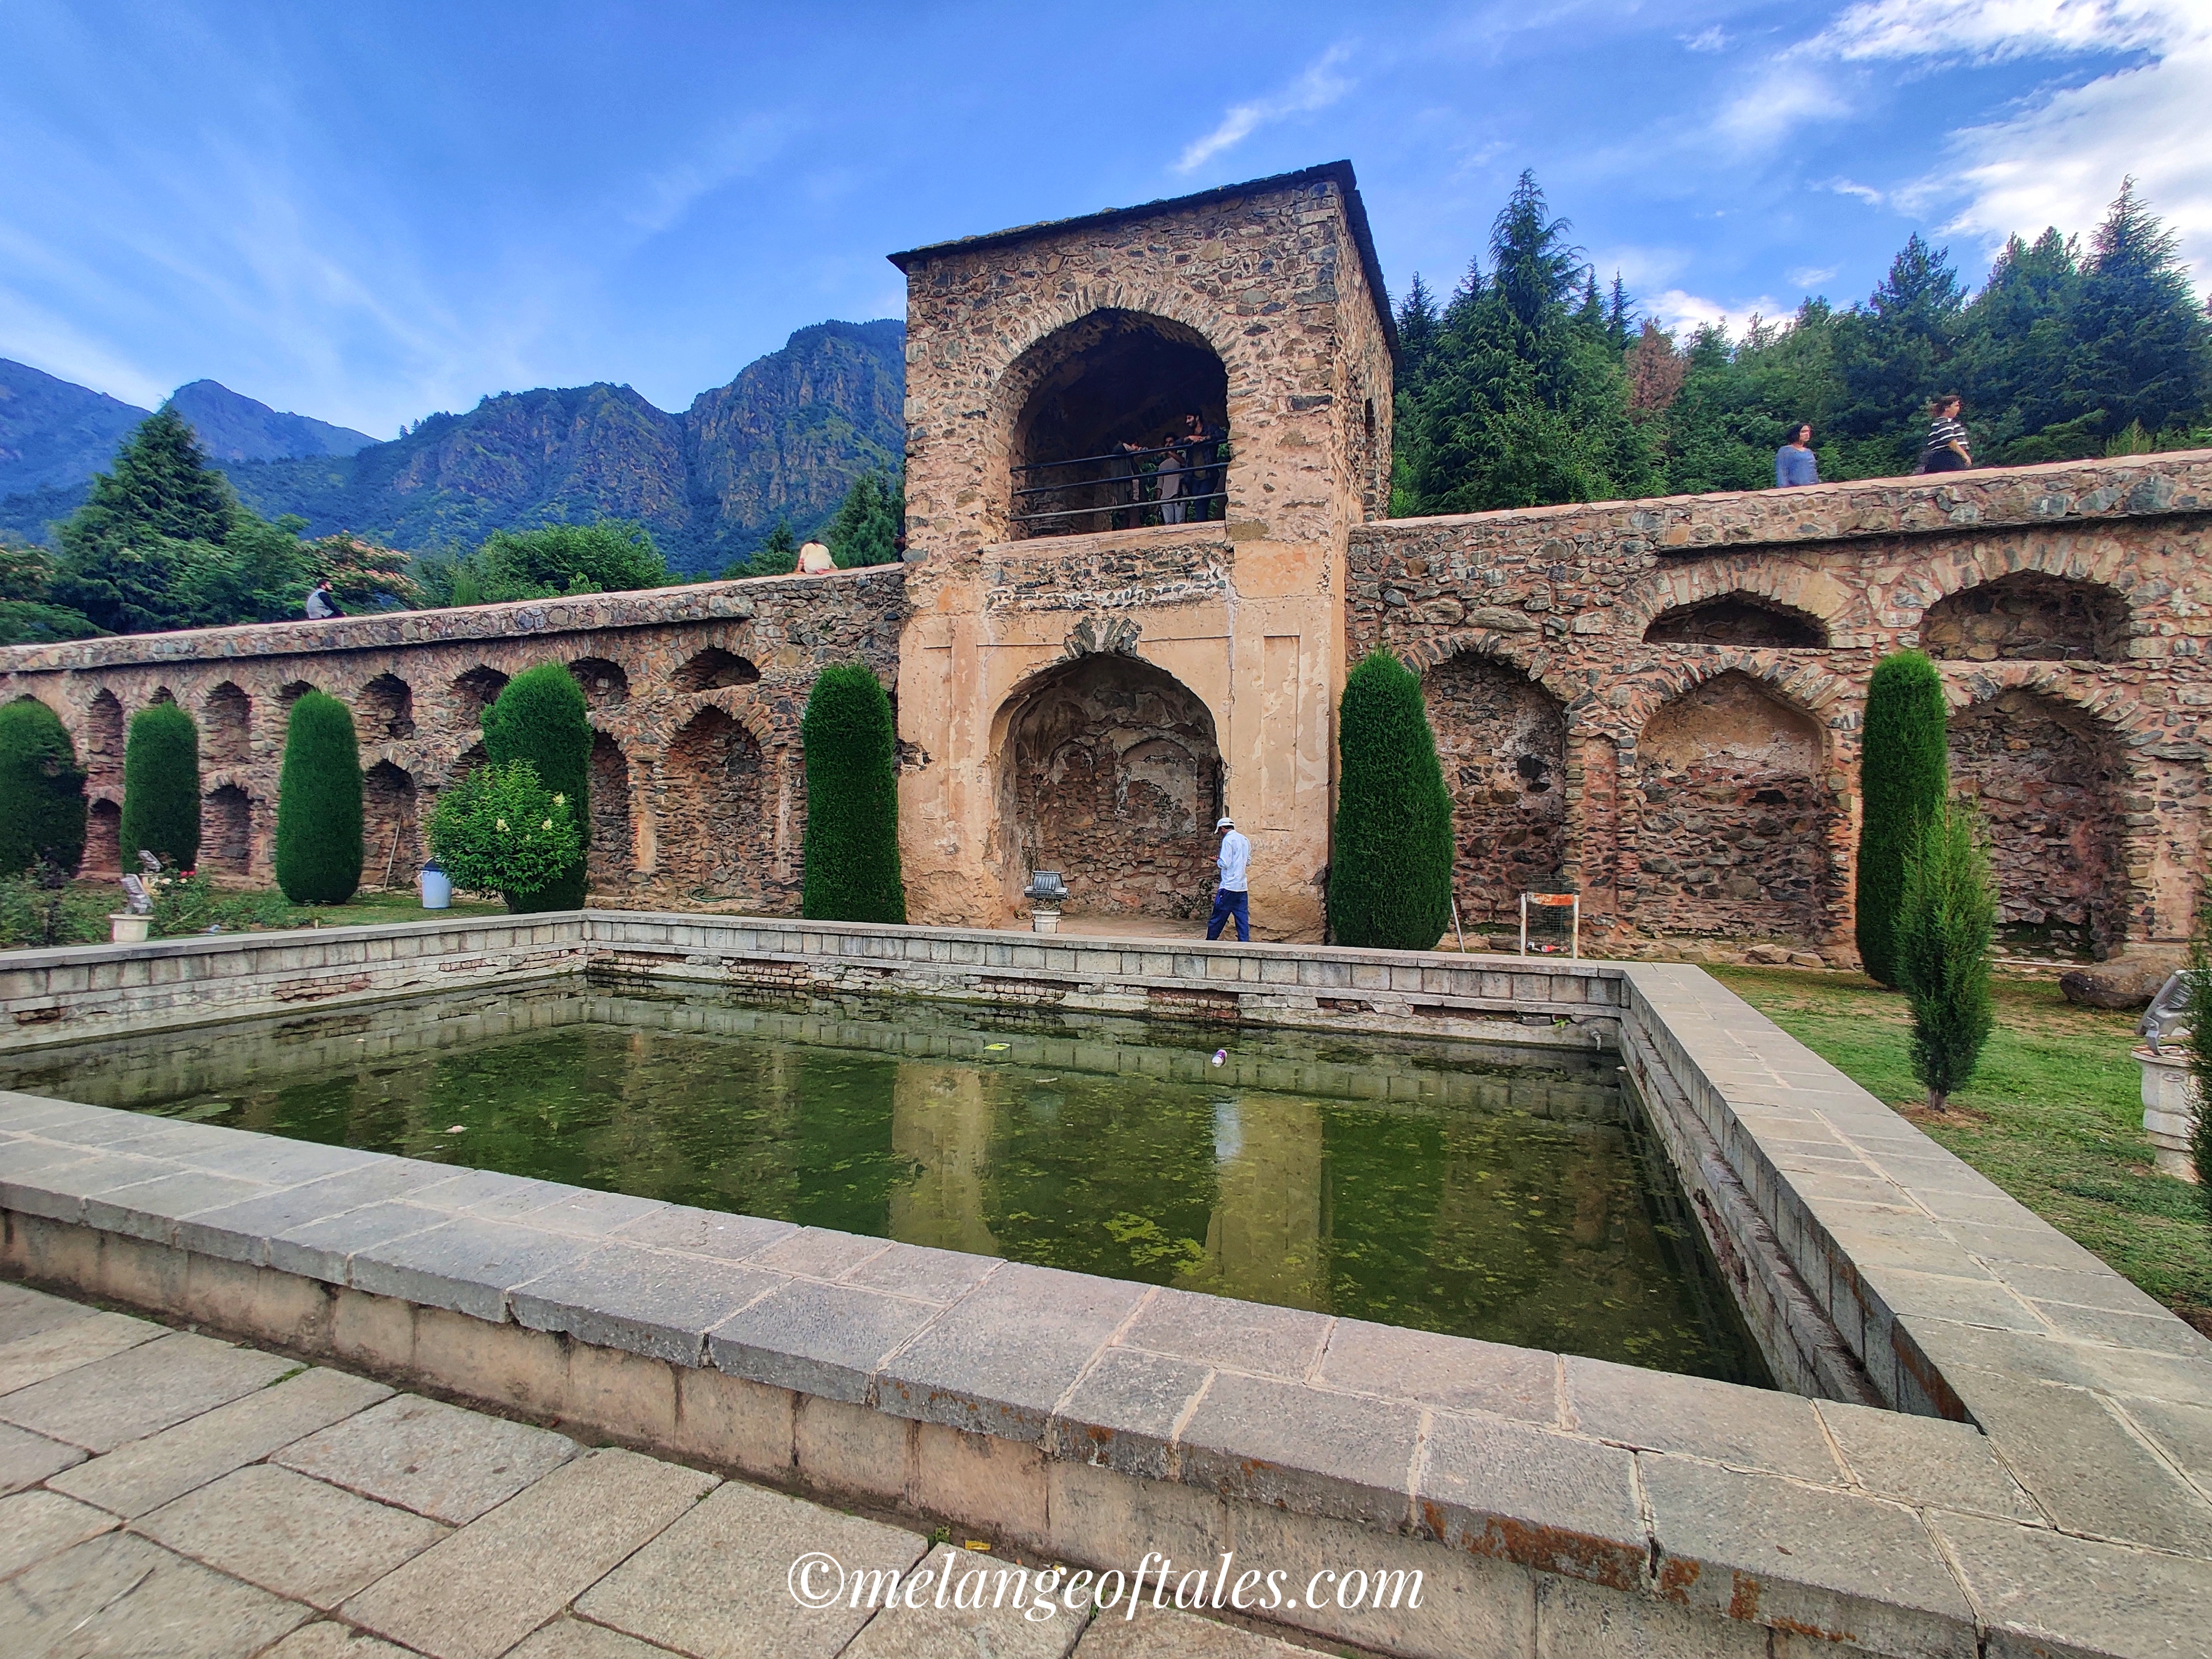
(1482, 1191)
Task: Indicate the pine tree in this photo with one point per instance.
(1620, 318)
(540, 717)
(1897, 354)
(162, 787)
(865, 528)
(318, 809)
(852, 800)
(42, 805)
(2141, 345)
(1416, 333)
(149, 534)
(1903, 776)
(1390, 869)
(778, 556)
(1946, 917)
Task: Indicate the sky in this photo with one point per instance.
(369, 214)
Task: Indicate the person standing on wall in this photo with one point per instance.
(1795, 464)
(1230, 897)
(1946, 450)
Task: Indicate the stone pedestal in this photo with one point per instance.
(2171, 1103)
(124, 928)
(1045, 920)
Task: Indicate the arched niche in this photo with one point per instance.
(1739, 619)
(475, 691)
(2028, 616)
(103, 839)
(390, 826)
(2049, 783)
(1110, 379)
(713, 669)
(291, 691)
(717, 822)
(604, 683)
(610, 861)
(103, 743)
(1503, 741)
(227, 831)
(387, 710)
(227, 725)
(1736, 816)
(1111, 775)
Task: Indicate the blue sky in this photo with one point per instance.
(366, 214)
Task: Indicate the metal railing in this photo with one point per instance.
(1129, 493)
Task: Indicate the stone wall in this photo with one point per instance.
(698, 787)
(1711, 652)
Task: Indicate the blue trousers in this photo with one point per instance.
(1225, 905)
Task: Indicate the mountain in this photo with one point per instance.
(785, 439)
(232, 428)
(53, 433)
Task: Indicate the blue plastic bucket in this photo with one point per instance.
(437, 889)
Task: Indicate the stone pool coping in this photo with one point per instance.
(1084, 1415)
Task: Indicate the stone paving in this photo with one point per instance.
(167, 1495)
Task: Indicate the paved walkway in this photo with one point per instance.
(171, 1496)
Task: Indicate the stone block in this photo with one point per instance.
(1320, 1454)
(1123, 1413)
(434, 1459)
(283, 1308)
(505, 1366)
(1747, 1428)
(141, 1273)
(730, 1423)
(628, 1395)
(326, 1640)
(466, 1264)
(2043, 1595)
(1242, 1336)
(998, 1360)
(1576, 1620)
(324, 1248)
(481, 1590)
(1550, 1502)
(647, 1302)
(240, 1231)
(926, 1275)
(818, 1253)
(34, 1525)
(996, 1485)
(714, 1584)
(1823, 1563)
(841, 1447)
(372, 1332)
(1469, 1604)
(118, 1594)
(141, 1475)
(27, 1459)
(290, 1535)
(140, 1391)
(1924, 1460)
(50, 1350)
(150, 1209)
(1454, 1373)
(823, 1339)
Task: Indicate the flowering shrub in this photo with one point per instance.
(500, 830)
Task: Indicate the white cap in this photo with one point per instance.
(1225, 824)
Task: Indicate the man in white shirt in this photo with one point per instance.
(1230, 898)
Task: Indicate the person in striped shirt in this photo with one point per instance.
(1946, 450)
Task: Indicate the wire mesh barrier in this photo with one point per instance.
(1123, 489)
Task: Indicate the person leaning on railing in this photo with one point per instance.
(1199, 445)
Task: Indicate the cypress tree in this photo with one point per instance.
(540, 718)
(162, 787)
(1944, 924)
(852, 800)
(319, 804)
(1390, 872)
(42, 806)
(1904, 775)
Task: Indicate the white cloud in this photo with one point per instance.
(1318, 86)
(1783, 98)
(1991, 31)
(1679, 311)
(668, 195)
(1809, 277)
(1714, 39)
(1866, 193)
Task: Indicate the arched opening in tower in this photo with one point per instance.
(1124, 421)
(1111, 775)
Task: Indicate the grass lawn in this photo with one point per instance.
(2054, 1115)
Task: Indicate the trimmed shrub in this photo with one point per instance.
(500, 830)
(1390, 870)
(2200, 1055)
(162, 787)
(1905, 773)
(1944, 924)
(852, 800)
(319, 804)
(42, 804)
(540, 718)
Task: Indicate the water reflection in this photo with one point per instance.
(1449, 1189)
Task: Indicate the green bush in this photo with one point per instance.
(1390, 870)
(319, 804)
(1904, 775)
(43, 908)
(162, 787)
(500, 830)
(2200, 1055)
(540, 718)
(1944, 924)
(852, 800)
(42, 803)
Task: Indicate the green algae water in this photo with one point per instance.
(1488, 1192)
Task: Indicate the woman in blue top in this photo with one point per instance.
(1794, 462)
